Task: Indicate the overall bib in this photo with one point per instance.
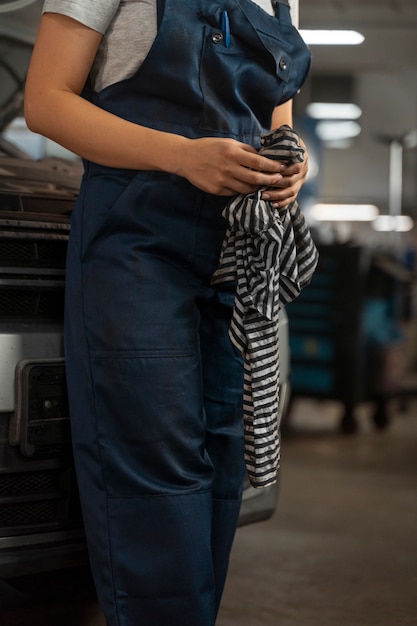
(155, 384)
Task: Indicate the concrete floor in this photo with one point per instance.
(341, 549)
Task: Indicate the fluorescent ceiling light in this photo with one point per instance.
(344, 212)
(333, 110)
(339, 144)
(393, 223)
(334, 130)
(332, 37)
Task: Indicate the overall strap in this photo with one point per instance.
(276, 7)
(159, 11)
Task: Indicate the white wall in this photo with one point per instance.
(361, 173)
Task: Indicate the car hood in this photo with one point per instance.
(19, 20)
(28, 187)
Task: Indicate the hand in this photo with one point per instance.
(293, 178)
(226, 167)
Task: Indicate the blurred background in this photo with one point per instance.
(358, 111)
(341, 548)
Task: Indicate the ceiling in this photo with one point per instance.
(389, 27)
(382, 77)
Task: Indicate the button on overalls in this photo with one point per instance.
(155, 385)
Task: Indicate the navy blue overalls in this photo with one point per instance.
(155, 385)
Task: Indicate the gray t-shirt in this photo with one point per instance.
(128, 28)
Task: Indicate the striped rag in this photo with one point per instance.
(271, 256)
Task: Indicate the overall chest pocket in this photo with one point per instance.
(250, 63)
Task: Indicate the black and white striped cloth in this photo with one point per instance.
(271, 256)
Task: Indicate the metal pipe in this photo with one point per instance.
(395, 177)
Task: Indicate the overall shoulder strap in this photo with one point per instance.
(277, 5)
(276, 2)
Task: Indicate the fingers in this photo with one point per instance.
(286, 191)
(226, 167)
(260, 179)
(280, 197)
(253, 160)
(252, 171)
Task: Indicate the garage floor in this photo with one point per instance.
(340, 551)
(342, 548)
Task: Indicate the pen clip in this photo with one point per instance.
(226, 28)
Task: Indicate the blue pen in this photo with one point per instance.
(226, 28)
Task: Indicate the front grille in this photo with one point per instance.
(13, 251)
(30, 500)
(38, 490)
(52, 253)
(50, 451)
(29, 483)
(26, 514)
(31, 253)
(32, 267)
(26, 303)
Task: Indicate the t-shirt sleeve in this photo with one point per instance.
(95, 15)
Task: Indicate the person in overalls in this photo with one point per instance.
(155, 385)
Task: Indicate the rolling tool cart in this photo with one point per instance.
(329, 341)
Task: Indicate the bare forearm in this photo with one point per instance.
(219, 166)
(61, 61)
(282, 115)
(102, 137)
